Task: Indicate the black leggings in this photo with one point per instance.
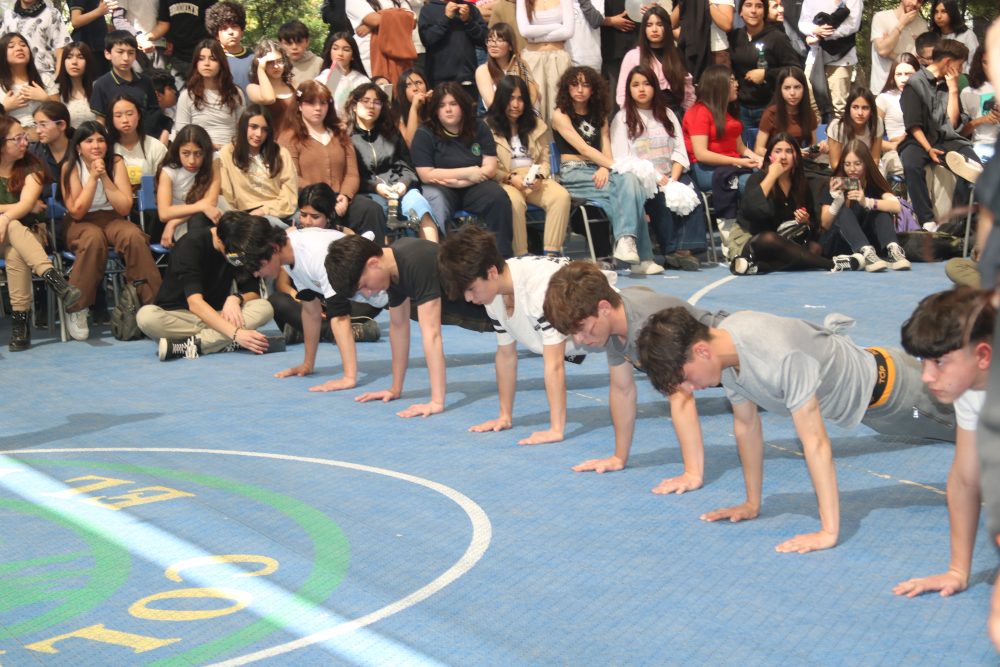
(772, 252)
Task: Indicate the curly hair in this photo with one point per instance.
(574, 293)
(265, 47)
(385, 124)
(599, 104)
(665, 343)
(464, 256)
(222, 14)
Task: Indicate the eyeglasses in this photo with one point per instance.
(46, 124)
(370, 103)
(495, 40)
(19, 139)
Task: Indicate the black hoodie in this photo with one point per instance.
(777, 50)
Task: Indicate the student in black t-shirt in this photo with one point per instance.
(408, 271)
(182, 22)
(456, 158)
(859, 220)
(196, 310)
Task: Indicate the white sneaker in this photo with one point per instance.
(76, 325)
(646, 268)
(625, 250)
(897, 258)
(963, 167)
(847, 262)
(873, 263)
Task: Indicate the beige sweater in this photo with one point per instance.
(253, 188)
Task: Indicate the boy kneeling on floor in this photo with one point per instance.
(196, 311)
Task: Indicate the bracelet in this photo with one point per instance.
(236, 332)
(240, 297)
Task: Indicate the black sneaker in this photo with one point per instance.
(847, 262)
(742, 266)
(293, 336)
(366, 330)
(179, 348)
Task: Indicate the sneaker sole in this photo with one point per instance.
(162, 348)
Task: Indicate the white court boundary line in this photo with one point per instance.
(482, 532)
(696, 297)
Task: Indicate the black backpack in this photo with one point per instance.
(123, 322)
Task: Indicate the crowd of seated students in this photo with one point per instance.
(402, 149)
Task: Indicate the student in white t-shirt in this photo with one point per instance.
(471, 267)
(952, 332)
(890, 111)
(979, 104)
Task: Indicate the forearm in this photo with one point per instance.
(159, 31)
(434, 356)
(340, 325)
(211, 317)
(622, 402)
(954, 108)
(819, 461)
(312, 322)
(919, 136)
(963, 517)
(555, 385)
(750, 445)
(506, 369)
(687, 428)
(399, 344)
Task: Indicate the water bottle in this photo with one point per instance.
(761, 60)
(393, 218)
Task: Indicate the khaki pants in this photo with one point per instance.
(89, 239)
(24, 254)
(546, 68)
(550, 196)
(158, 323)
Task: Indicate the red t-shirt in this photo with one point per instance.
(698, 121)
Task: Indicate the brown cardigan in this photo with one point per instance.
(335, 164)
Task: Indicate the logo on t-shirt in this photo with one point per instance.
(476, 150)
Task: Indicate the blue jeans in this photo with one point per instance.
(676, 232)
(413, 205)
(750, 117)
(702, 175)
(622, 200)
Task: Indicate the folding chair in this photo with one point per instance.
(145, 200)
(588, 211)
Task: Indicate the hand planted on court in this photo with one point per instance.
(610, 464)
(678, 485)
(803, 544)
(385, 396)
(295, 371)
(949, 583)
(743, 512)
(335, 385)
(421, 410)
(542, 437)
(494, 425)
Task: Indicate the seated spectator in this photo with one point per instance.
(857, 212)
(830, 28)
(342, 69)
(980, 106)
(450, 32)
(196, 310)
(658, 51)
(503, 58)
(142, 155)
(22, 88)
(932, 117)
(759, 50)
(790, 111)
(303, 300)
(210, 99)
(98, 196)
(321, 152)
(77, 71)
(647, 130)
(52, 122)
(891, 112)
(947, 22)
(777, 229)
(21, 231)
(271, 84)
(258, 175)
(385, 170)
(859, 121)
(411, 94)
(522, 143)
(581, 134)
(226, 23)
(306, 65)
(188, 185)
(43, 29)
(456, 159)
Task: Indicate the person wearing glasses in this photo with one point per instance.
(196, 310)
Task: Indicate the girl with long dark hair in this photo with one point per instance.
(647, 129)
(188, 185)
(857, 212)
(890, 111)
(343, 69)
(860, 121)
(210, 98)
(142, 154)
(658, 51)
(978, 101)
(77, 71)
(98, 196)
(522, 141)
(271, 84)
(790, 111)
(502, 59)
(946, 21)
(411, 94)
(22, 88)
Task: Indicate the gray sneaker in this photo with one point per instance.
(873, 263)
(897, 258)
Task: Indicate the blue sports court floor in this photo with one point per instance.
(203, 512)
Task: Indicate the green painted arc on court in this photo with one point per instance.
(331, 556)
